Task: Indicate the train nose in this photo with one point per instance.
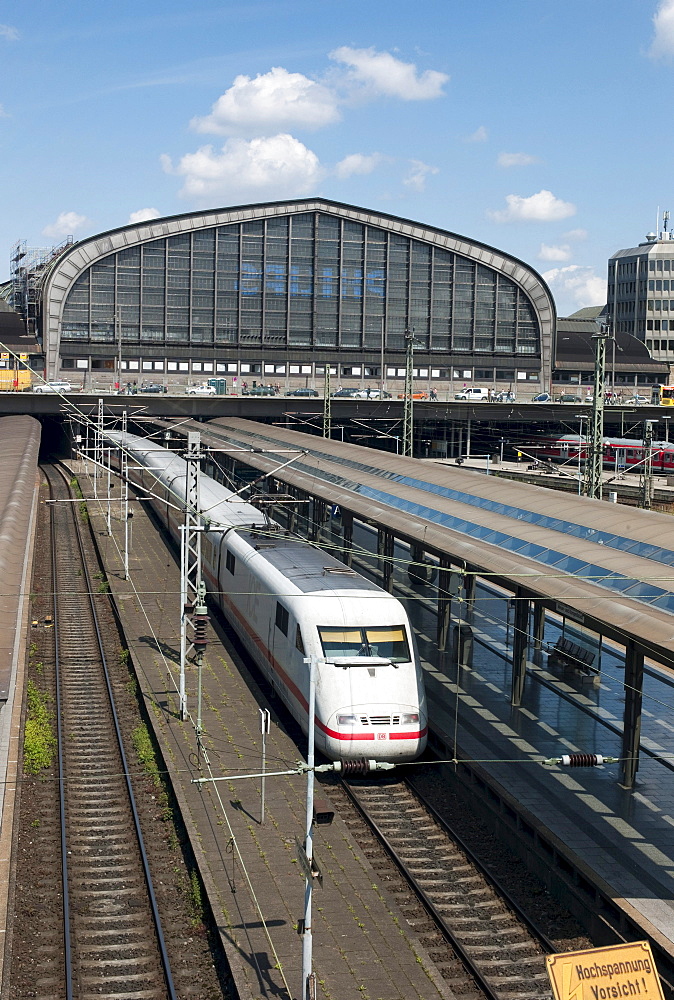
(395, 732)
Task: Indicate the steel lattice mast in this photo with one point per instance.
(327, 405)
(408, 412)
(191, 584)
(646, 477)
(594, 461)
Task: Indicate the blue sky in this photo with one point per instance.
(537, 126)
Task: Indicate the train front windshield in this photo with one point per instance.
(667, 395)
(388, 642)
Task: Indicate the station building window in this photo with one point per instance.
(310, 279)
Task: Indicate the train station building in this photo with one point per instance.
(275, 292)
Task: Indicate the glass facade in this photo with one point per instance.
(304, 280)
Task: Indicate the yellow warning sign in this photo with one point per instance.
(612, 973)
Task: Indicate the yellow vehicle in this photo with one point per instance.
(667, 395)
(14, 380)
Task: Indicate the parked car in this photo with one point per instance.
(542, 397)
(344, 393)
(473, 392)
(637, 400)
(260, 390)
(415, 395)
(568, 397)
(152, 387)
(372, 394)
(303, 392)
(200, 390)
(58, 385)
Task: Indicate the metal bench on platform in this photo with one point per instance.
(570, 654)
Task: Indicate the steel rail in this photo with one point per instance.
(127, 776)
(67, 944)
(469, 962)
(505, 894)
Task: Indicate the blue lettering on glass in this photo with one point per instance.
(301, 283)
(250, 279)
(352, 283)
(374, 281)
(328, 282)
(276, 275)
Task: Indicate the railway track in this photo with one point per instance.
(501, 949)
(112, 938)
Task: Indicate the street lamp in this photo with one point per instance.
(666, 420)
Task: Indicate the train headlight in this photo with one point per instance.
(347, 720)
(407, 718)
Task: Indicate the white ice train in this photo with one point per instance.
(287, 600)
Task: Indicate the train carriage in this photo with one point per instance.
(289, 600)
(619, 453)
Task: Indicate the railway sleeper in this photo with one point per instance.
(507, 932)
(118, 963)
(488, 949)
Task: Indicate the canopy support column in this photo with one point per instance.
(520, 643)
(634, 687)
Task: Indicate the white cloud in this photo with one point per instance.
(663, 22)
(575, 234)
(357, 163)
(384, 75)
(276, 167)
(479, 135)
(269, 102)
(419, 171)
(551, 252)
(144, 215)
(515, 159)
(66, 224)
(11, 34)
(576, 286)
(540, 207)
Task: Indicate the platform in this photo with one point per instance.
(250, 870)
(620, 838)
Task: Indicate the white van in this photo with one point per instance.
(473, 392)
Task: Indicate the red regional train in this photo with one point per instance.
(619, 453)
